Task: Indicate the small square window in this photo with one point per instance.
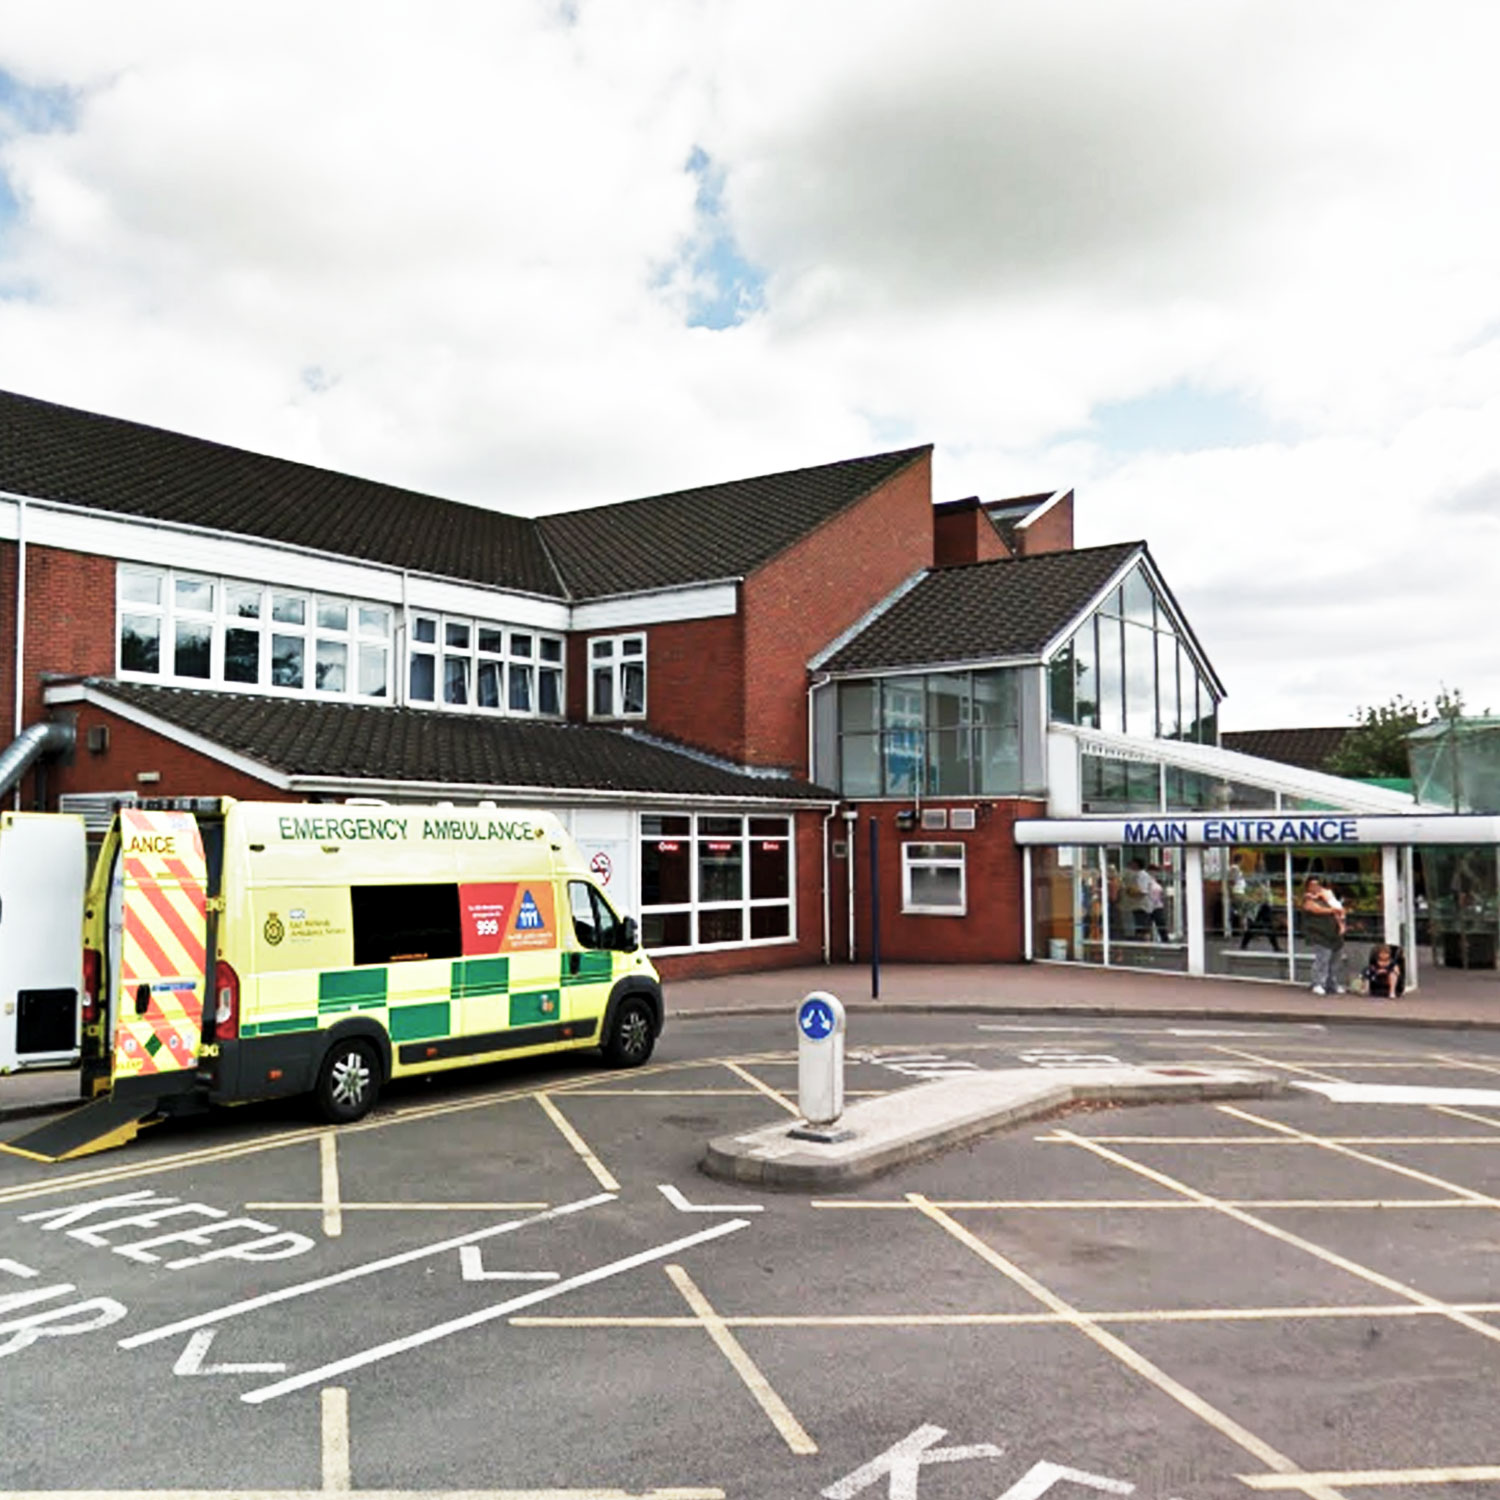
(289, 609)
(633, 645)
(374, 621)
(456, 634)
(287, 652)
(520, 645)
(424, 628)
(602, 650)
(491, 639)
(195, 594)
(140, 588)
(552, 650)
(242, 601)
(333, 614)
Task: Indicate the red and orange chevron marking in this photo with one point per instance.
(164, 942)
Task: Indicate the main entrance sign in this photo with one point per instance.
(1275, 830)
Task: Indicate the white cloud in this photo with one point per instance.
(459, 247)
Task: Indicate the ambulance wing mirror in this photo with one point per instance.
(630, 934)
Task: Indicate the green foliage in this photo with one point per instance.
(1377, 744)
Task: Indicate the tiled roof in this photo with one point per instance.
(982, 611)
(714, 532)
(56, 453)
(304, 737)
(1308, 748)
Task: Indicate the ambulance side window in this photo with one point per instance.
(594, 923)
(405, 923)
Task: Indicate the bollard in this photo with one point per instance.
(820, 1060)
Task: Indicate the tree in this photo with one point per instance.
(1376, 746)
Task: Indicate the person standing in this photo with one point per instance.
(1258, 916)
(1156, 909)
(1136, 900)
(1323, 926)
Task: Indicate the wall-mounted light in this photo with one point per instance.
(147, 777)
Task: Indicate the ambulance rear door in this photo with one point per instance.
(158, 933)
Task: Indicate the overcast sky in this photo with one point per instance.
(1231, 271)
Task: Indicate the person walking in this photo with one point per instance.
(1323, 926)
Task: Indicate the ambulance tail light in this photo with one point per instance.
(92, 966)
(226, 1003)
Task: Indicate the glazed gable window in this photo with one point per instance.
(617, 677)
(193, 629)
(478, 665)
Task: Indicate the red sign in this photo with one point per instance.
(719, 848)
(669, 846)
(482, 910)
(601, 866)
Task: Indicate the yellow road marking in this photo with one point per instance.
(1329, 1257)
(1359, 1478)
(578, 1143)
(350, 1208)
(764, 1088)
(713, 1325)
(1306, 1138)
(1220, 1421)
(328, 1154)
(336, 1472)
(1007, 1320)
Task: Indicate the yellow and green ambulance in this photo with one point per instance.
(243, 950)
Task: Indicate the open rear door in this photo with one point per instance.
(163, 948)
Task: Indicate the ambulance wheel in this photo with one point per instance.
(348, 1081)
(632, 1036)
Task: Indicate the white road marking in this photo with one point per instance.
(1359, 1478)
(902, 1461)
(16, 1268)
(487, 1314)
(1400, 1093)
(471, 1262)
(328, 1153)
(190, 1361)
(675, 1493)
(353, 1273)
(1143, 1030)
(1040, 1478)
(577, 1142)
(337, 1474)
(675, 1198)
(394, 1208)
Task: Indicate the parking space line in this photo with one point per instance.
(486, 1314)
(1361, 1478)
(350, 1208)
(328, 1153)
(675, 1493)
(1329, 1257)
(354, 1273)
(764, 1088)
(577, 1142)
(1306, 1138)
(1267, 1140)
(791, 1430)
(1011, 1320)
(1487, 1065)
(1468, 1114)
(1220, 1421)
(336, 1472)
(1157, 1205)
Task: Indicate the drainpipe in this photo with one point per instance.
(828, 817)
(851, 822)
(20, 629)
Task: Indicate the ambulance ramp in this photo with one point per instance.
(82, 1131)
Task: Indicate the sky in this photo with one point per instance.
(1230, 271)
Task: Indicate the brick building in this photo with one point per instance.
(730, 693)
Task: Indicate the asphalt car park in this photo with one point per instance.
(517, 1282)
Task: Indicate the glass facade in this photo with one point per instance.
(1127, 671)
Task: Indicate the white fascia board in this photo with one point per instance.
(975, 664)
(1042, 509)
(700, 602)
(194, 742)
(589, 796)
(867, 619)
(192, 549)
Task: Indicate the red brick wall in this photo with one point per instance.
(962, 533)
(820, 586)
(184, 773)
(7, 640)
(1052, 533)
(991, 932)
(808, 947)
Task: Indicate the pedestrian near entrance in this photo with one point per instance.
(1383, 973)
(1258, 915)
(1136, 899)
(1323, 927)
(1157, 908)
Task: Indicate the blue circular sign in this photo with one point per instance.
(815, 1019)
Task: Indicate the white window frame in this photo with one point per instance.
(953, 857)
(368, 628)
(696, 905)
(521, 652)
(615, 655)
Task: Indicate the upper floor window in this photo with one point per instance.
(935, 733)
(192, 628)
(1127, 671)
(617, 677)
(476, 664)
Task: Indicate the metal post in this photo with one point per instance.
(874, 910)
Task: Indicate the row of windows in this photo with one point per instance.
(186, 628)
(934, 733)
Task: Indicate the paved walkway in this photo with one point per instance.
(1448, 997)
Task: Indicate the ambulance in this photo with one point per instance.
(244, 950)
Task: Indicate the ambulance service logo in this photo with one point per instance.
(273, 931)
(529, 918)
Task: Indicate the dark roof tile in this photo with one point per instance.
(983, 611)
(1308, 748)
(303, 737)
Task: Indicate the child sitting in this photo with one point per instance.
(1383, 973)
